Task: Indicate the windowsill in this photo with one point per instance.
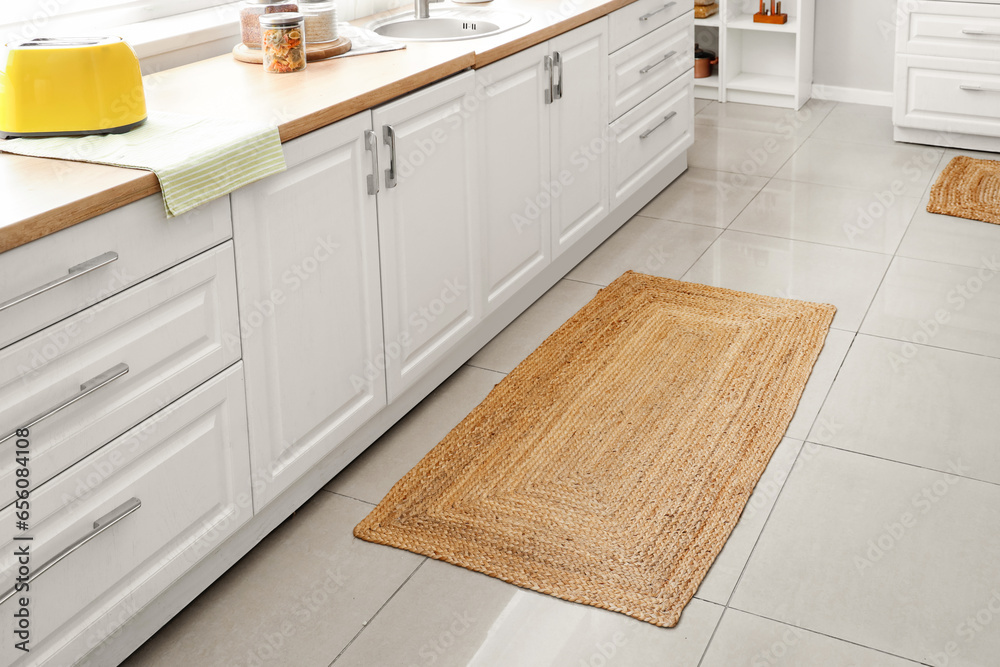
(160, 37)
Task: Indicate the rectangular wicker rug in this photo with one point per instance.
(611, 465)
(968, 188)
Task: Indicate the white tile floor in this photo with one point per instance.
(873, 537)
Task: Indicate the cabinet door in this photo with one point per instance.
(515, 189)
(579, 129)
(308, 283)
(428, 226)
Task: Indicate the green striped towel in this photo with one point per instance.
(196, 159)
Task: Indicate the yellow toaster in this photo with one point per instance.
(67, 86)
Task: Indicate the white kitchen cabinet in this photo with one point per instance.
(516, 190)
(578, 132)
(125, 523)
(310, 311)
(947, 74)
(428, 221)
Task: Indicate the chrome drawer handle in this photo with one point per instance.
(389, 137)
(646, 17)
(73, 273)
(658, 62)
(978, 87)
(557, 63)
(86, 389)
(548, 71)
(653, 129)
(101, 525)
(371, 145)
(980, 31)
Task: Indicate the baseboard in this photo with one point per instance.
(970, 142)
(151, 618)
(880, 98)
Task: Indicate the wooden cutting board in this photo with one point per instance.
(313, 51)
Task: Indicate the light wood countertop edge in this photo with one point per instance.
(21, 232)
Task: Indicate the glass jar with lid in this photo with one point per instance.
(321, 20)
(250, 13)
(283, 41)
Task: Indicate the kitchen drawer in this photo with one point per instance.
(951, 29)
(189, 468)
(173, 332)
(948, 95)
(649, 63)
(641, 18)
(647, 138)
(141, 236)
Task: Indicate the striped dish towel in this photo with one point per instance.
(196, 159)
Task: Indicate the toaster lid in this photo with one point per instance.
(62, 42)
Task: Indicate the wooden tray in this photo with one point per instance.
(313, 51)
(770, 18)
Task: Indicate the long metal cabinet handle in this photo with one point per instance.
(73, 273)
(86, 389)
(659, 62)
(548, 70)
(646, 17)
(101, 525)
(557, 62)
(371, 145)
(980, 31)
(389, 137)
(652, 129)
(978, 87)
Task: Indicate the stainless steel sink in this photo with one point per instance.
(447, 24)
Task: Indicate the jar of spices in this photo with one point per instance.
(250, 13)
(283, 39)
(321, 20)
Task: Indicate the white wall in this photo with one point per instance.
(855, 43)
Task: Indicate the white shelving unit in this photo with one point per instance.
(759, 63)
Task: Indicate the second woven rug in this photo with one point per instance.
(611, 465)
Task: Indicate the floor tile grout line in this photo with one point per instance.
(366, 624)
(584, 282)
(711, 637)
(928, 345)
(344, 495)
(702, 254)
(903, 463)
(829, 390)
(819, 243)
(767, 519)
(875, 294)
(824, 634)
(938, 261)
(822, 243)
(483, 368)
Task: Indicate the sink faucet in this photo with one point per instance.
(422, 8)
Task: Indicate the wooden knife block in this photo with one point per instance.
(772, 18)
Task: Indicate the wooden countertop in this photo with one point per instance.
(40, 196)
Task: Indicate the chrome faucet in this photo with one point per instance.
(422, 8)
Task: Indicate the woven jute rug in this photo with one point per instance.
(611, 465)
(968, 188)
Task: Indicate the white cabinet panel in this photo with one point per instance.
(516, 189)
(579, 127)
(643, 17)
(952, 29)
(649, 137)
(649, 63)
(307, 262)
(169, 334)
(428, 219)
(188, 467)
(131, 244)
(948, 95)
